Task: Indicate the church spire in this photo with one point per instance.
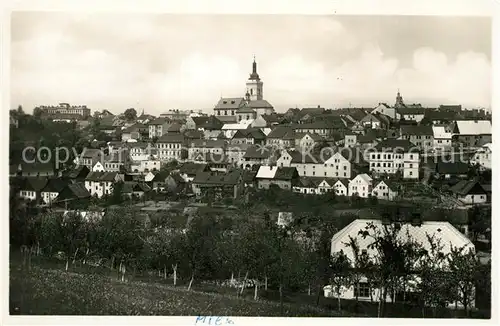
(254, 75)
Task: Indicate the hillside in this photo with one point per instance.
(56, 292)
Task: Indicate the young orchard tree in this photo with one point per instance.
(340, 274)
(463, 266)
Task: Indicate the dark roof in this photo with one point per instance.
(191, 168)
(245, 109)
(442, 115)
(457, 168)
(90, 153)
(258, 152)
(456, 108)
(282, 132)
(396, 145)
(207, 143)
(272, 118)
(171, 138)
(193, 134)
(357, 115)
(213, 178)
(54, 185)
(230, 103)
(250, 133)
(411, 110)
(259, 104)
(37, 167)
(34, 183)
(101, 176)
(174, 127)
(159, 121)
(311, 111)
(416, 130)
(131, 186)
(249, 176)
(286, 173)
(466, 187)
(394, 186)
(199, 121)
(177, 177)
(78, 190)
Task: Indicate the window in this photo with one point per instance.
(345, 167)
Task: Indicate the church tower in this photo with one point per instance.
(254, 84)
(399, 101)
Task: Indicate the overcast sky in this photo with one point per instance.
(158, 62)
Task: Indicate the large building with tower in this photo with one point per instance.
(251, 106)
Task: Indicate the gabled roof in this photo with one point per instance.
(191, 168)
(455, 168)
(174, 127)
(413, 130)
(358, 115)
(177, 178)
(444, 231)
(245, 109)
(254, 133)
(258, 152)
(442, 115)
(102, 176)
(91, 153)
(132, 186)
(230, 103)
(389, 183)
(37, 167)
(259, 104)
(199, 121)
(365, 177)
(473, 127)
(78, 190)
(282, 132)
(314, 136)
(159, 121)
(311, 111)
(411, 110)
(54, 185)
(276, 173)
(193, 134)
(447, 107)
(271, 118)
(207, 143)
(213, 178)
(34, 183)
(396, 146)
(171, 138)
(468, 187)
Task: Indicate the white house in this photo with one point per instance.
(444, 232)
(393, 155)
(442, 138)
(469, 192)
(361, 185)
(171, 147)
(98, 167)
(341, 187)
(50, 192)
(482, 157)
(385, 109)
(306, 141)
(385, 190)
(204, 147)
(323, 164)
(101, 183)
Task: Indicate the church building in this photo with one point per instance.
(249, 107)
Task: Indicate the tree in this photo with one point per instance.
(361, 264)
(479, 221)
(339, 274)
(37, 113)
(463, 266)
(130, 114)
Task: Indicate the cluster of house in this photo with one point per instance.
(310, 150)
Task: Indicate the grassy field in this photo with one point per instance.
(48, 291)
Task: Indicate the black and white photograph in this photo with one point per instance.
(250, 165)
